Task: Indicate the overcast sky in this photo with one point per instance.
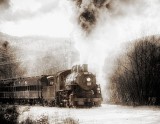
(55, 18)
(35, 17)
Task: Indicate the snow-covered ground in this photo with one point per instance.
(107, 114)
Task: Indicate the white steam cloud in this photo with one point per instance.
(123, 21)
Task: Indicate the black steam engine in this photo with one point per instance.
(69, 88)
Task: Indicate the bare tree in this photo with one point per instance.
(136, 78)
(56, 59)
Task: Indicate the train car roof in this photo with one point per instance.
(28, 81)
(64, 71)
(7, 81)
(19, 79)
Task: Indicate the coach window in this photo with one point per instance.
(18, 88)
(22, 88)
(35, 87)
(2, 88)
(32, 87)
(10, 89)
(6, 89)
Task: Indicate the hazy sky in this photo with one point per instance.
(35, 17)
(56, 18)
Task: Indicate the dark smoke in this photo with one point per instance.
(78, 2)
(89, 11)
(4, 4)
(87, 20)
(99, 3)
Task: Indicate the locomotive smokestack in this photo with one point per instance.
(78, 68)
(85, 67)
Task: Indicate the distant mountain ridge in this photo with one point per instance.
(42, 55)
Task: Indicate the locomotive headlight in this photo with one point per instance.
(88, 79)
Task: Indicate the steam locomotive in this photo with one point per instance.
(68, 88)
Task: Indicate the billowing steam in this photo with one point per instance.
(106, 27)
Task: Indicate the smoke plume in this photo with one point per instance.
(4, 4)
(90, 11)
(105, 27)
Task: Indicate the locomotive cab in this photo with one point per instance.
(48, 90)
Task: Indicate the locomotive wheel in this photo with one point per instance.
(91, 104)
(66, 104)
(71, 102)
(53, 103)
(45, 103)
(97, 104)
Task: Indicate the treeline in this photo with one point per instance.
(136, 76)
(56, 59)
(9, 65)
